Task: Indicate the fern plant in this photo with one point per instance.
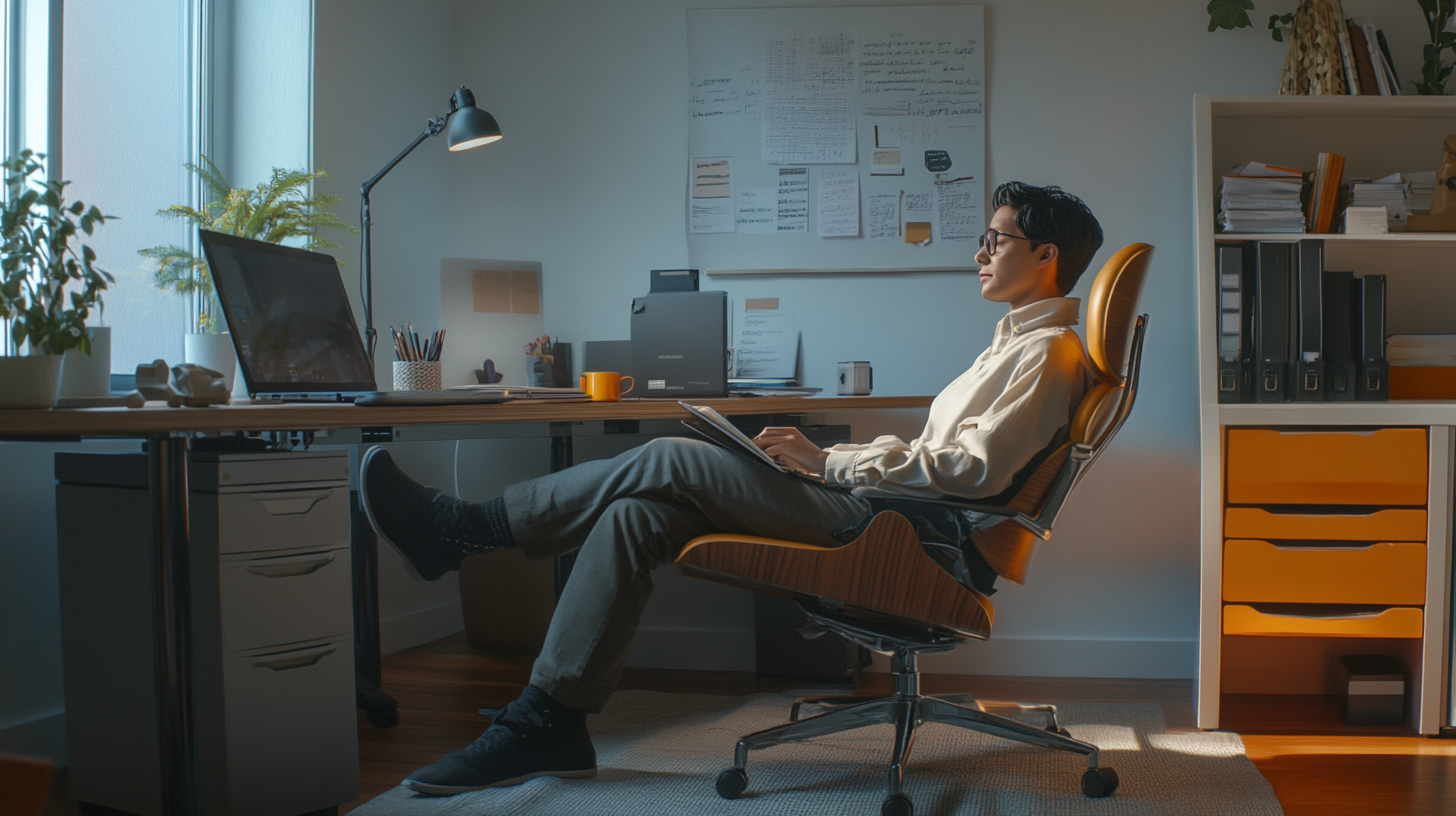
(275, 211)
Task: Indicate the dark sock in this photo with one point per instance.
(553, 711)
(497, 525)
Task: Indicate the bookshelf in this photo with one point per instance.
(1378, 135)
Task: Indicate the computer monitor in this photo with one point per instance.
(290, 318)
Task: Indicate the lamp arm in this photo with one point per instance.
(433, 127)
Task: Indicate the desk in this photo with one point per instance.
(168, 430)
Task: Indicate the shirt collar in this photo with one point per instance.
(1056, 311)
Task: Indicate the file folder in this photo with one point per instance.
(1372, 385)
(1271, 331)
(1338, 344)
(1307, 382)
(1234, 379)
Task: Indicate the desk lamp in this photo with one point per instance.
(469, 127)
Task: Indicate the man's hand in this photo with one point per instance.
(789, 446)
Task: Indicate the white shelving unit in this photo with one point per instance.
(1378, 135)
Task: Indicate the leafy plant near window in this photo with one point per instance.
(275, 211)
(47, 288)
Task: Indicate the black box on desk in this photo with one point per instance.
(680, 345)
(1372, 690)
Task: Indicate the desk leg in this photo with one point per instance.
(172, 619)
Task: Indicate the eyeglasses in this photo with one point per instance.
(988, 241)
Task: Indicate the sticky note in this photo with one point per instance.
(917, 232)
(490, 291)
(525, 292)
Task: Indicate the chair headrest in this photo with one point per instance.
(1112, 309)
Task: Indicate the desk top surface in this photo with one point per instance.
(156, 418)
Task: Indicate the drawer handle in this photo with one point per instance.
(289, 566)
(283, 661)
(289, 504)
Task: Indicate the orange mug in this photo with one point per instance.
(605, 386)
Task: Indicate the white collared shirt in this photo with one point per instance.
(991, 420)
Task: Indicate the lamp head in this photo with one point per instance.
(470, 126)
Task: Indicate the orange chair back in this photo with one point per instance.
(1111, 314)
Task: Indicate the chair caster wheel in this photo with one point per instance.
(1099, 782)
(897, 805)
(731, 782)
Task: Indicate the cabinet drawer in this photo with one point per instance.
(1385, 573)
(1381, 467)
(1398, 622)
(282, 519)
(1381, 525)
(292, 734)
(274, 598)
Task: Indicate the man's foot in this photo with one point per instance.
(534, 736)
(433, 531)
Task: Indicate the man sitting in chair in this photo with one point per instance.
(625, 516)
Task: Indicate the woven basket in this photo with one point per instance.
(412, 375)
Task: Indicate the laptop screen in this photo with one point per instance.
(289, 315)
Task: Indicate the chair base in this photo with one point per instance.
(907, 709)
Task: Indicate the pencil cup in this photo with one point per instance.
(417, 376)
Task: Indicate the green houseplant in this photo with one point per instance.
(278, 210)
(48, 280)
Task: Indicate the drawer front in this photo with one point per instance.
(1398, 622)
(281, 519)
(288, 597)
(1386, 573)
(1382, 525)
(292, 737)
(1381, 467)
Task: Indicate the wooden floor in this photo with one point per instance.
(1316, 769)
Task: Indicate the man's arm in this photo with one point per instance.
(791, 447)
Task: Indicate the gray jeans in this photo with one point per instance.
(629, 514)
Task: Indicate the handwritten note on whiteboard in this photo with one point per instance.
(958, 212)
(809, 114)
(758, 210)
(882, 217)
(793, 199)
(839, 205)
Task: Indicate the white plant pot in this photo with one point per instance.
(214, 351)
(30, 381)
(89, 375)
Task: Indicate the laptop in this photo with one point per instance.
(716, 428)
(294, 330)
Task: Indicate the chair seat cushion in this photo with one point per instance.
(885, 572)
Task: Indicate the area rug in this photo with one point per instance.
(659, 753)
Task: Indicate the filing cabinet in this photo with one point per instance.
(271, 627)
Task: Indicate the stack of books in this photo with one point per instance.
(1368, 68)
(1261, 198)
(1390, 192)
(1421, 189)
(1291, 331)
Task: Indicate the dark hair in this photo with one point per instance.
(1051, 215)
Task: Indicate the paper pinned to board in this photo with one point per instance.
(793, 199)
(839, 205)
(882, 219)
(886, 163)
(757, 210)
(525, 292)
(490, 291)
(767, 345)
(712, 178)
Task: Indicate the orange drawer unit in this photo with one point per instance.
(1387, 574)
(1398, 622)
(1396, 524)
(1379, 467)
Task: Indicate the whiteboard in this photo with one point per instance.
(797, 118)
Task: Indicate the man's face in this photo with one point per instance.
(1016, 274)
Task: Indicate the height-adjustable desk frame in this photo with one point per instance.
(168, 433)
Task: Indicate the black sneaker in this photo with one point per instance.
(526, 741)
(426, 526)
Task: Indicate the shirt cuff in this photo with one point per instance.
(840, 468)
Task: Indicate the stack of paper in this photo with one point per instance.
(1390, 192)
(1421, 349)
(1261, 198)
(1422, 187)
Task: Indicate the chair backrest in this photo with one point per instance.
(1111, 312)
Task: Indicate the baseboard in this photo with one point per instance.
(705, 649)
(44, 737)
(419, 627)
(1038, 657)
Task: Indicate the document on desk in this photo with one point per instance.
(839, 205)
(767, 345)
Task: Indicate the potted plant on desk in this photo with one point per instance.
(275, 211)
(47, 287)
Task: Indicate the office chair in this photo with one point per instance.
(895, 594)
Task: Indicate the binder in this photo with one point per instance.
(1338, 345)
(1307, 380)
(1271, 330)
(1233, 369)
(1372, 384)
